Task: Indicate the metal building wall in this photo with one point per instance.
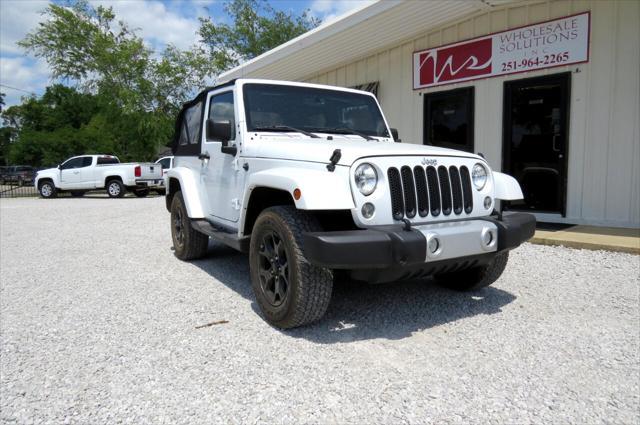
(604, 141)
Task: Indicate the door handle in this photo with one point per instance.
(204, 156)
(76, 172)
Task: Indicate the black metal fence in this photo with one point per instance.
(16, 190)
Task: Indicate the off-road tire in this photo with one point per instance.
(192, 244)
(141, 193)
(112, 192)
(309, 287)
(52, 192)
(477, 277)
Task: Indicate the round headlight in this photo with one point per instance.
(479, 176)
(366, 178)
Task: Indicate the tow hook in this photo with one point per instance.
(407, 225)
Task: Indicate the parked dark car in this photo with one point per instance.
(22, 175)
(4, 170)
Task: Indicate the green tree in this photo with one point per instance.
(256, 28)
(128, 95)
(138, 91)
(46, 130)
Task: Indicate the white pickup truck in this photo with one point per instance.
(80, 174)
(309, 180)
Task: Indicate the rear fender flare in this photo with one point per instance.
(189, 186)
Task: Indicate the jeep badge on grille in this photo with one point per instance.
(427, 161)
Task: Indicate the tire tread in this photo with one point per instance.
(315, 283)
(196, 243)
(475, 278)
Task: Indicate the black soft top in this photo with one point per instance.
(200, 96)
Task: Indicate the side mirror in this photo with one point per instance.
(221, 131)
(394, 134)
(59, 167)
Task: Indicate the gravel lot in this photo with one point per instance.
(99, 324)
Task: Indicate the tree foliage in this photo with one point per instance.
(125, 96)
(256, 28)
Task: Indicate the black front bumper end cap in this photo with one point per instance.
(392, 246)
(369, 249)
(513, 229)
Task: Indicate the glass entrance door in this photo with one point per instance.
(535, 140)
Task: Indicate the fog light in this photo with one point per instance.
(487, 238)
(433, 245)
(487, 202)
(368, 210)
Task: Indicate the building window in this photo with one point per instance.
(448, 119)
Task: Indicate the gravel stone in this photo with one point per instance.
(98, 324)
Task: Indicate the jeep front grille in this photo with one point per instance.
(423, 191)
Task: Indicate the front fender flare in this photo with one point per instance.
(189, 184)
(506, 187)
(320, 189)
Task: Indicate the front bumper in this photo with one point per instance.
(392, 246)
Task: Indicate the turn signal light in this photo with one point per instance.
(138, 171)
(296, 194)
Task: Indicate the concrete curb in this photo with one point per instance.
(593, 238)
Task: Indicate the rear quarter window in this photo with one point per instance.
(105, 160)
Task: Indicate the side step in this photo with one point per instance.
(229, 239)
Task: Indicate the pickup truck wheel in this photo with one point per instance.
(47, 190)
(115, 189)
(290, 291)
(475, 278)
(141, 193)
(188, 243)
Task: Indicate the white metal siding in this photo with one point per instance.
(604, 143)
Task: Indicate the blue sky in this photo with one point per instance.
(159, 22)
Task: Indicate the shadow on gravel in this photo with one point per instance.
(360, 311)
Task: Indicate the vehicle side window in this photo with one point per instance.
(221, 108)
(73, 163)
(190, 132)
(165, 163)
(103, 160)
(86, 161)
(184, 139)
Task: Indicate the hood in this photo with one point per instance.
(295, 147)
(48, 171)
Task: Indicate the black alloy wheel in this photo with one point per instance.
(178, 227)
(273, 268)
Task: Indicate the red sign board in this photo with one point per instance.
(545, 45)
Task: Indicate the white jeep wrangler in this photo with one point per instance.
(309, 180)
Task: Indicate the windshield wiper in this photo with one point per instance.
(286, 128)
(344, 130)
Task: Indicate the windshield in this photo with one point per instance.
(289, 108)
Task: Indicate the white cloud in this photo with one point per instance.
(328, 10)
(17, 18)
(156, 23)
(26, 75)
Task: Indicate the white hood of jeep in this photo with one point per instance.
(300, 148)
